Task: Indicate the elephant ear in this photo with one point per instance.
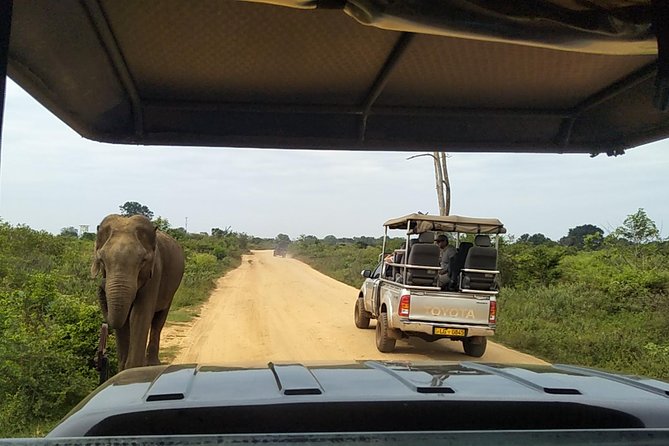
(97, 268)
(147, 235)
(104, 231)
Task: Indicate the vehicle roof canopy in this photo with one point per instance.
(448, 223)
(457, 75)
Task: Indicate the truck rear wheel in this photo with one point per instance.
(475, 346)
(384, 343)
(360, 315)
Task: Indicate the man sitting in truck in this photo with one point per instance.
(446, 252)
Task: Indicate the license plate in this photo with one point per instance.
(449, 331)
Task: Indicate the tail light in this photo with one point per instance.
(405, 305)
(492, 316)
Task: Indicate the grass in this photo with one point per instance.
(185, 314)
(168, 354)
(569, 324)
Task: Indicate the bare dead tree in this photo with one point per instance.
(446, 182)
(439, 182)
(442, 181)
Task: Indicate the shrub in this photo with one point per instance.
(45, 346)
(50, 319)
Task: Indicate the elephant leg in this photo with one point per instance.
(122, 343)
(140, 320)
(154, 338)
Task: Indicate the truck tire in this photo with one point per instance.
(360, 315)
(475, 346)
(384, 343)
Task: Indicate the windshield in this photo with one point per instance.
(264, 255)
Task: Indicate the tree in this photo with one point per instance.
(162, 223)
(178, 233)
(282, 238)
(637, 232)
(576, 236)
(308, 239)
(593, 241)
(218, 232)
(638, 228)
(330, 240)
(535, 239)
(539, 239)
(70, 231)
(133, 208)
(442, 181)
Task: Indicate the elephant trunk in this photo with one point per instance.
(120, 296)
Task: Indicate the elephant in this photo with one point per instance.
(141, 269)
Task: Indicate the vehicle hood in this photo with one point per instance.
(365, 396)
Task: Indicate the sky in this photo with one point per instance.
(51, 178)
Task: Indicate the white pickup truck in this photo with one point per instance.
(409, 292)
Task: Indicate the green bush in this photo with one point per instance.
(571, 324)
(606, 308)
(46, 342)
(50, 319)
(525, 264)
(628, 285)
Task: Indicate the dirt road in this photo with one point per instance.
(279, 309)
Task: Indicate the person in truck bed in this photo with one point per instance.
(445, 255)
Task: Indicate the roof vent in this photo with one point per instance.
(295, 380)
(434, 389)
(561, 391)
(165, 397)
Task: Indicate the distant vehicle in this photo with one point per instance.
(404, 294)
(281, 249)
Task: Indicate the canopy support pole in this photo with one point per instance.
(5, 27)
(382, 79)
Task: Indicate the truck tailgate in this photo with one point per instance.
(449, 308)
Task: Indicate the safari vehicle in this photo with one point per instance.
(547, 76)
(407, 298)
(281, 249)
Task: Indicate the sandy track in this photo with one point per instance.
(280, 309)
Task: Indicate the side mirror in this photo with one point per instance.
(367, 273)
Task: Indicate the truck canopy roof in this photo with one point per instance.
(448, 223)
(540, 76)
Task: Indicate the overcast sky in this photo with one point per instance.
(50, 178)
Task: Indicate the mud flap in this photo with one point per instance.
(395, 333)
